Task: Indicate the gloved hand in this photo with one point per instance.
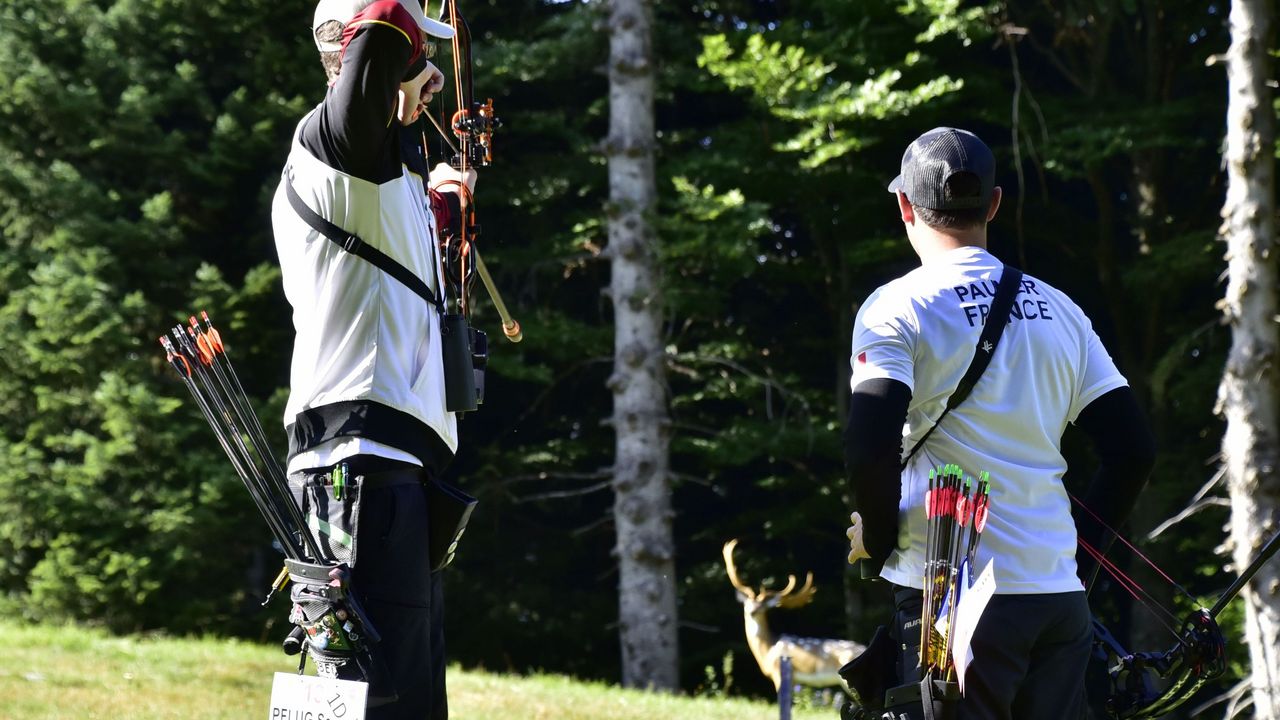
(856, 549)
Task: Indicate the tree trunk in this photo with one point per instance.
(1250, 392)
(642, 494)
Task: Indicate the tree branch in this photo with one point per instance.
(561, 494)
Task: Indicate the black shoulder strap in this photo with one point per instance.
(359, 248)
(1010, 279)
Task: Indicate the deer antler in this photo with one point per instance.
(788, 599)
(733, 571)
(791, 585)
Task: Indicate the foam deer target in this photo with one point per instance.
(814, 661)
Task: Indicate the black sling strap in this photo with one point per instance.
(360, 248)
(987, 342)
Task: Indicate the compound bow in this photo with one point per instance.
(1151, 684)
(473, 125)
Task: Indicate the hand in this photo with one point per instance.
(856, 549)
(417, 92)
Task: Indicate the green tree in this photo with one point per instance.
(132, 146)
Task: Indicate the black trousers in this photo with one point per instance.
(392, 580)
(1030, 653)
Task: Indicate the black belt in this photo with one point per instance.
(392, 478)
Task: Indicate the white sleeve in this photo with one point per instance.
(1098, 377)
(883, 342)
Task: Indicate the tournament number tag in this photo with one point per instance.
(307, 697)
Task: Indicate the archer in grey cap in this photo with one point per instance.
(912, 339)
(947, 169)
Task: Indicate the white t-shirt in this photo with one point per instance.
(921, 330)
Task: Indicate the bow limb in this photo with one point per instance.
(1198, 658)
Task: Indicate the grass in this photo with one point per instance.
(49, 673)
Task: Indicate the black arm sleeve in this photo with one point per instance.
(355, 130)
(1126, 452)
(872, 456)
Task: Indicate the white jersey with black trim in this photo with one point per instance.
(921, 330)
(367, 375)
(367, 351)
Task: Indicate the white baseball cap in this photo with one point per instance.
(343, 10)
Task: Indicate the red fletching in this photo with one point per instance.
(197, 349)
(215, 338)
(206, 351)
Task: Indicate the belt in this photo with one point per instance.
(392, 478)
(905, 596)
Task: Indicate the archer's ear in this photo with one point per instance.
(996, 195)
(907, 212)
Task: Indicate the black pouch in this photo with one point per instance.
(449, 509)
(872, 673)
(886, 680)
(459, 370)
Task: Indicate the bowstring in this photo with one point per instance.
(1135, 589)
(1135, 551)
(1145, 598)
(464, 147)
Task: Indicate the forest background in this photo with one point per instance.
(141, 141)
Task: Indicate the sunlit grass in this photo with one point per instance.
(65, 672)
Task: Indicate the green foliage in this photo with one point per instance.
(717, 682)
(145, 151)
(797, 87)
(950, 18)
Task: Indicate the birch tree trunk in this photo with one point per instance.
(642, 494)
(1249, 395)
